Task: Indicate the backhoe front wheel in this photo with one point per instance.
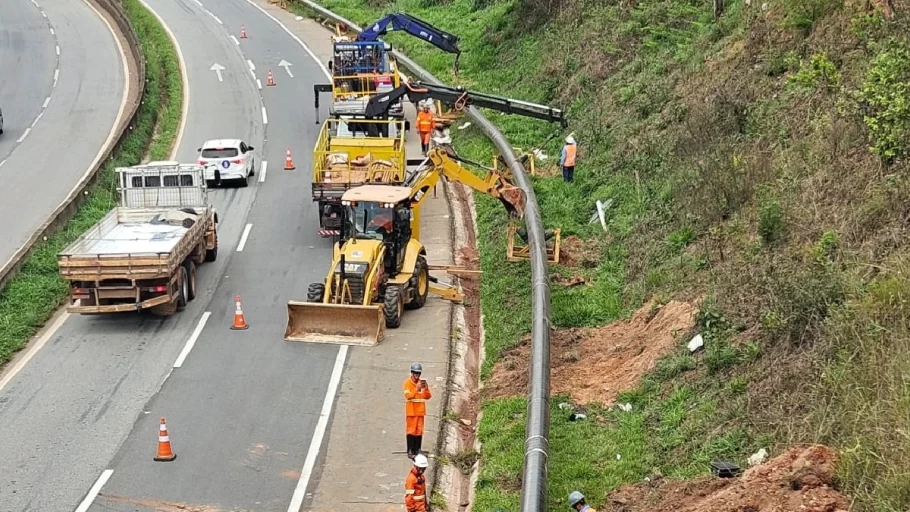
(392, 306)
(315, 292)
(420, 284)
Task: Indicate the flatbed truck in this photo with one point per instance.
(143, 254)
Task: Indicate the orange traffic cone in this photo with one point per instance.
(271, 81)
(288, 163)
(239, 321)
(242, 31)
(165, 454)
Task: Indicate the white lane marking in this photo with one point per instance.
(198, 3)
(250, 64)
(56, 76)
(259, 83)
(2, 162)
(262, 170)
(244, 236)
(234, 38)
(294, 37)
(265, 116)
(42, 340)
(217, 68)
(216, 17)
(35, 4)
(46, 101)
(24, 135)
(192, 341)
(52, 31)
(36, 119)
(93, 492)
(43, 13)
(316, 443)
(58, 49)
(186, 80)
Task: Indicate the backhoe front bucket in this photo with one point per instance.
(343, 324)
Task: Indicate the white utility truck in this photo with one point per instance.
(143, 254)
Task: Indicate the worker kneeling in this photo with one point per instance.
(415, 486)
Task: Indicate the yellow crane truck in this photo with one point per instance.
(380, 267)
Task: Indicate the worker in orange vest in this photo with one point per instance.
(567, 159)
(425, 125)
(416, 394)
(415, 486)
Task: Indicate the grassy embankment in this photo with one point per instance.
(28, 300)
(758, 161)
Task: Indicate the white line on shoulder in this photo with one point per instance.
(192, 341)
(243, 237)
(93, 492)
(262, 170)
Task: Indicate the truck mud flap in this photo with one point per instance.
(341, 324)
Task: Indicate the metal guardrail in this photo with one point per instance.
(68, 208)
(537, 445)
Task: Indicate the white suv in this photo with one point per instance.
(227, 159)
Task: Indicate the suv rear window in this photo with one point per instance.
(220, 153)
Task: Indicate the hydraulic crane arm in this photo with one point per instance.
(458, 98)
(414, 26)
(447, 164)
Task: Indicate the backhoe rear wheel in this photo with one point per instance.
(392, 306)
(420, 284)
(315, 292)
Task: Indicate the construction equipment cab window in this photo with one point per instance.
(373, 221)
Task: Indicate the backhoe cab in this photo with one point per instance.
(377, 272)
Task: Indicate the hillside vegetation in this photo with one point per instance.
(756, 164)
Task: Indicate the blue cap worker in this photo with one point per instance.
(567, 159)
(577, 502)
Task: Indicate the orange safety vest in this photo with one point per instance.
(570, 155)
(425, 122)
(415, 492)
(415, 402)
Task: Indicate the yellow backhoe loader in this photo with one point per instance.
(379, 267)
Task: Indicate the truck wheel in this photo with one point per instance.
(315, 292)
(419, 284)
(182, 297)
(212, 254)
(191, 282)
(392, 307)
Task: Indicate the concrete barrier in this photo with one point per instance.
(68, 208)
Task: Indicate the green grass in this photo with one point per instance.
(29, 299)
(759, 161)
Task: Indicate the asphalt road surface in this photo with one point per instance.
(62, 71)
(81, 408)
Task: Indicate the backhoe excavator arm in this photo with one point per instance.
(447, 164)
(458, 98)
(414, 26)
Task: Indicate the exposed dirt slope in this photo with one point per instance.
(593, 365)
(798, 480)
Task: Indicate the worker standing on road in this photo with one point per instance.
(415, 486)
(567, 159)
(577, 502)
(416, 394)
(425, 125)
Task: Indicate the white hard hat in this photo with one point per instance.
(575, 497)
(570, 140)
(421, 461)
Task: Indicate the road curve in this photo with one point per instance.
(63, 71)
(69, 407)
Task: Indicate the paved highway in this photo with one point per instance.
(81, 406)
(62, 71)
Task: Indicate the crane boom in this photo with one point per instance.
(414, 26)
(458, 97)
(442, 162)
